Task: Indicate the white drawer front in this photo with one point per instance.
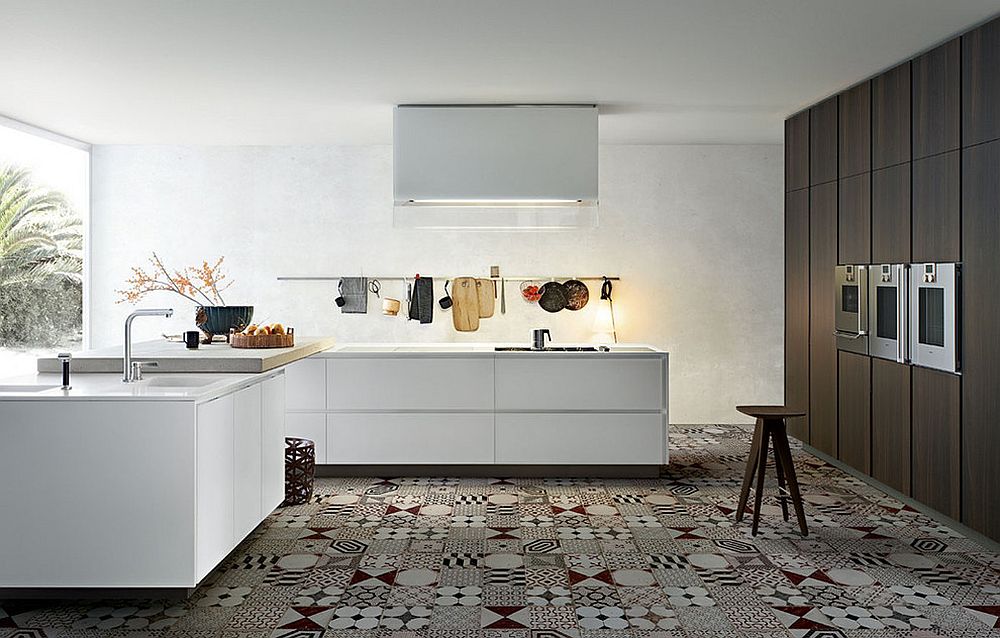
(542, 382)
(410, 438)
(410, 383)
(310, 426)
(306, 385)
(580, 439)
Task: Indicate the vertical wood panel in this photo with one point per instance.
(937, 90)
(823, 352)
(854, 216)
(891, 424)
(797, 151)
(891, 215)
(797, 310)
(981, 84)
(855, 130)
(981, 342)
(936, 413)
(823, 142)
(891, 117)
(854, 411)
(937, 196)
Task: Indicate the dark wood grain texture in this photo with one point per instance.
(823, 351)
(937, 198)
(936, 414)
(937, 91)
(797, 310)
(891, 424)
(854, 217)
(854, 411)
(797, 151)
(891, 215)
(823, 142)
(891, 117)
(980, 338)
(855, 130)
(981, 84)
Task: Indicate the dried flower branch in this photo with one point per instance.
(182, 282)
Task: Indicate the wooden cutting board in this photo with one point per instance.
(487, 297)
(465, 304)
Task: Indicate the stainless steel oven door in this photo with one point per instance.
(935, 340)
(888, 295)
(851, 308)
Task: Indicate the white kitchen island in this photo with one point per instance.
(374, 406)
(142, 485)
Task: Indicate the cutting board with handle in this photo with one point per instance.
(487, 297)
(465, 304)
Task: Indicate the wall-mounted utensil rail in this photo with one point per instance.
(449, 277)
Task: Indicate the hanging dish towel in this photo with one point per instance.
(422, 303)
(354, 290)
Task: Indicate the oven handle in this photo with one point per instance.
(849, 335)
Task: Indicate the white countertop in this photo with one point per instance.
(482, 349)
(175, 357)
(154, 387)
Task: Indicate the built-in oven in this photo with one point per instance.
(851, 308)
(935, 321)
(888, 307)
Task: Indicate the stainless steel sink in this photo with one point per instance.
(180, 382)
(546, 349)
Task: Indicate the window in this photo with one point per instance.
(44, 206)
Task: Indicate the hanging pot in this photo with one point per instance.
(577, 294)
(553, 297)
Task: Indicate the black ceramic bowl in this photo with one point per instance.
(217, 320)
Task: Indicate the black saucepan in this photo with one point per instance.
(553, 297)
(577, 294)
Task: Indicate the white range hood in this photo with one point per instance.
(488, 166)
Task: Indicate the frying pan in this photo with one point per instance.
(554, 297)
(577, 294)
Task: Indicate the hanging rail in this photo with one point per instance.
(519, 278)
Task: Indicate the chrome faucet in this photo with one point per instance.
(134, 373)
(538, 338)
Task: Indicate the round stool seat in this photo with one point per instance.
(769, 411)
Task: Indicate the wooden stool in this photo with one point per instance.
(770, 426)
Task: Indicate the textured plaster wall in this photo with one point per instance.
(695, 232)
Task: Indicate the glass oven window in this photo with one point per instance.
(931, 309)
(885, 306)
(849, 298)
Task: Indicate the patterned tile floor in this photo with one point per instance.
(574, 558)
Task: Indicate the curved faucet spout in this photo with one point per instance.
(127, 358)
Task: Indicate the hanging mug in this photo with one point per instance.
(340, 301)
(445, 302)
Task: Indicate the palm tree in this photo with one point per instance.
(40, 239)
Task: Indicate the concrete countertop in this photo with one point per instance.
(103, 387)
(174, 357)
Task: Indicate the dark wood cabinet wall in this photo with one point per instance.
(903, 167)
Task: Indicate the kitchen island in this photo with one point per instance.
(414, 407)
(141, 485)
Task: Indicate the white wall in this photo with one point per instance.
(695, 232)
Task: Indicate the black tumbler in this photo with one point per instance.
(191, 339)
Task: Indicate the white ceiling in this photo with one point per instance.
(328, 72)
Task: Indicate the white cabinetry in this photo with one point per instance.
(272, 448)
(216, 480)
(247, 446)
(525, 409)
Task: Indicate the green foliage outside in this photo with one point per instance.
(41, 265)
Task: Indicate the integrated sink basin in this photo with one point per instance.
(180, 382)
(546, 349)
(19, 389)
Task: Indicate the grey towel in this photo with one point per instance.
(422, 302)
(354, 290)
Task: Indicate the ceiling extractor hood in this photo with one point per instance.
(495, 166)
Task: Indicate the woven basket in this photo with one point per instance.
(287, 340)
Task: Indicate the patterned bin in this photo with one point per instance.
(300, 469)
